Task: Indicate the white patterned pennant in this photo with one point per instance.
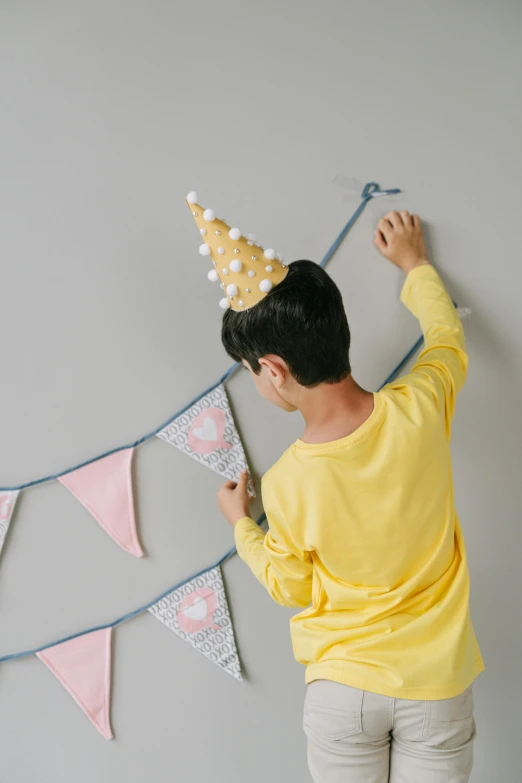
(207, 433)
(7, 504)
(198, 613)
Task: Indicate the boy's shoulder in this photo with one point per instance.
(282, 467)
(404, 395)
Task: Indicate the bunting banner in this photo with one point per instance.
(7, 506)
(104, 488)
(83, 666)
(198, 613)
(207, 432)
(204, 430)
(196, 609)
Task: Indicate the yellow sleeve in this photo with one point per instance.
(285, 572)
(440, 370)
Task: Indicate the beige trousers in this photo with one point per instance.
(356, 736)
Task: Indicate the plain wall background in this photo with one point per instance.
(111, 111)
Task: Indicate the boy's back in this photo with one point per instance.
(364, 528)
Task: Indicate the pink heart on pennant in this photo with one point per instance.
(5, 506)
(207, 431)
(196, 612)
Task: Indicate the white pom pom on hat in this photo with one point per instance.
(234, 233)
(209, 215)
(192, 197)
(280, 257)
(265, 286)
(236, 265)
(232, 289)
(270, 254)
(224, 304)
(213, 276)
(204, 250)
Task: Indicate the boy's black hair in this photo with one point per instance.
(302, 320)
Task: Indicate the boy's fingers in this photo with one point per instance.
(384, 226)
(229, 485)
(407, 218)
(394, 218)
(379, 242)
(416, 221)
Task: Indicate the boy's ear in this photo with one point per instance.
(277, 368)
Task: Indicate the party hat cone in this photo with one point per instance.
(245, 270)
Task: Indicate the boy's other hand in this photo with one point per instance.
(400, 239)
(234, 499)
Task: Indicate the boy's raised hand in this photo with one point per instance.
(400, 239)
(234, 499)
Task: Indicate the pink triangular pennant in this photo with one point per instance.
(8, 500)
(83, 666)
(104, 488)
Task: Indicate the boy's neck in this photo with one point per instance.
(334, 411)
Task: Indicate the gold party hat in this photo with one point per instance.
(246, 271)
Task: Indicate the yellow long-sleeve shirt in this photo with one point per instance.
(363, 531)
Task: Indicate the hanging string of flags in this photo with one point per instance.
(195, 609)
(197, 612)
(204, 430)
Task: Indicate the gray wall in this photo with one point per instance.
(111, 112)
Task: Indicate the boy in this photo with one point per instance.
(363, 533)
